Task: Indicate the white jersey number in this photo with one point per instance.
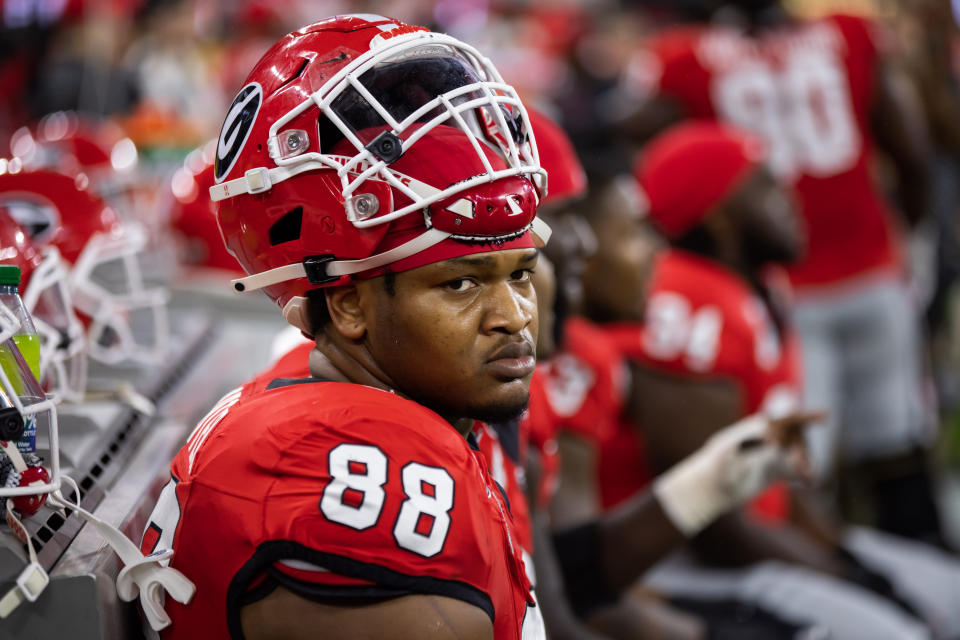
(162, 525)
(673, 329)
(165, 517)
(803, 111)
(424, 518)
(355, 497)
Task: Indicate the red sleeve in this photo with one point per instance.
(587, 384)
(865, 38)
(696, 338)
(699, 322)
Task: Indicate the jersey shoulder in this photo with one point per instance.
(347, 478)
(276, 426)
(699, 318)
(864, 38)
(293, 364)
(675, 44)
(585, 384)
(299, 415)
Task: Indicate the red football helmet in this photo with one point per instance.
(567, 178)
(69, 143)
(45, 290)
(361, 142)
(105, 279)
(194, 214)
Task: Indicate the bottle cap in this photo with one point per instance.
(9, 274)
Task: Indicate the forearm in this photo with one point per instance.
(603, 557)
(901, 131)
(640, 533)
(561, 621)
(734, 540)
(634, 537)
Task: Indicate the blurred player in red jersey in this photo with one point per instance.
(823, 97)
(577, 555)
(716, 345)
(578, 387)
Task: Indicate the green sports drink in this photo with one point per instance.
(29, 348)
(20, 356)
(29, 345)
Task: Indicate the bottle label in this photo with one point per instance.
(28, 442)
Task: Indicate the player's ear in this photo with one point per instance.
(720, 224)
(346, 312)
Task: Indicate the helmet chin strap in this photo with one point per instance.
(337, 268)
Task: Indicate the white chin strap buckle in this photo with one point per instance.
(30, 584)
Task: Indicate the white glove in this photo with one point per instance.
(734, 465)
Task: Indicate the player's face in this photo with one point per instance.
(545, 284)
(571, 245)
(459, 336)
(617, 273)
(768, 219)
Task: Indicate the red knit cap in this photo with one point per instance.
(691, 168)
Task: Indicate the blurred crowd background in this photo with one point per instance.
(128, 96)
(145, 83)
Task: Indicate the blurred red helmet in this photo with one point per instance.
(710, 156)
(194, 215)
(16, 247)
(69, 143)
(72, 144)
(566, 179)
(361, 142)
(45, 290)
(106, 285)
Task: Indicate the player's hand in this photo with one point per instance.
(788, 433)
(733, 466)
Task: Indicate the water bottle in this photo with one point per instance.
(22, 363)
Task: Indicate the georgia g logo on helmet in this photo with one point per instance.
(236, 128)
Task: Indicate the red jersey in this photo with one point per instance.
(501, 447)
(295, 363)
(586, 383)
(704, 321)
(580, 390)
(506, 460)
(806, 88)
(332, 489)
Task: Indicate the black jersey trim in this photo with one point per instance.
(506, 500)
(332, 592)
(278, 383)
(385, 579)
(509, 434)
(472, 441)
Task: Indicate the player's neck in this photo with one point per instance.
(751, 21)
(743, 267)
(335, 361)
